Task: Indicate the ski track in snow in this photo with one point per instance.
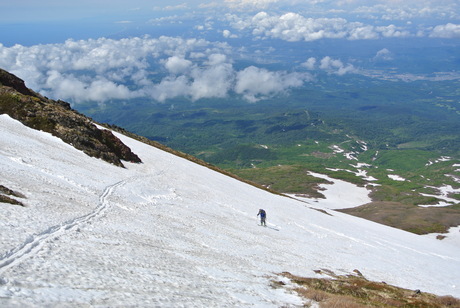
(34, 243)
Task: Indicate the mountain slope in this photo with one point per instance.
(58, 118)
(169, 232)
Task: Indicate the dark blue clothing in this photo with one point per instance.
(263, 216)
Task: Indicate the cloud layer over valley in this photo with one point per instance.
(254, 49)
(158, 68)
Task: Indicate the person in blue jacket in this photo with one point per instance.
(263, 216)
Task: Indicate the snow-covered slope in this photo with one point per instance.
(172, 233)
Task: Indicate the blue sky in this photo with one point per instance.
(122, 50)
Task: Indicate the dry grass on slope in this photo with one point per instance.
(412, 218)
(5, 192)
(355, 291)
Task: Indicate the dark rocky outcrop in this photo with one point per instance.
(59, 119)
(9, 80)
(5, 192)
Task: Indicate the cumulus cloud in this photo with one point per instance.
(386, 10)
(174, 19)
(216, 59)
(182, 6)
(105, 69)
(258, 83)
(95, 90)
(393, 31)
(330, 65)
(177, 65)
(383, 54)
(408, 10)
(335, 66)
(446, 31)
(259, 4)
(213, 81)
(213, 78)
(294, 27)
(216, 78)
(228, 34)
(102, 69)
(169, 87)
(310, 63)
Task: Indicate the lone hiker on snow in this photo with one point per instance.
(263, 215)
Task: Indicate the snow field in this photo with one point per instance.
(171, 233)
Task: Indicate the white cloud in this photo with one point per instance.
(259, 4)
(407, 10)
(216, 59)
(182, 6)
(258, 83)
(393, 31)
(446, 31)
(228, 34)
(99, 69)
(175, 19)
(310, 63)
(209, 82)
(105, 69)
(335, 66)
(216, 77)
(383, 54)
(213, 81)
(96, 90)
(375, 9)
(169, 87)
(362, 32)
(330, 65)
(177, 65)
(294, 27)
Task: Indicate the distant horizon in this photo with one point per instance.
(100, 52)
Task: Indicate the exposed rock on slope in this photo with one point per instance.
(5, 194)
(59, 119)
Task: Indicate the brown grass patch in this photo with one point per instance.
(5, 192)
(412, 218)
(350, 291)
(6, 199)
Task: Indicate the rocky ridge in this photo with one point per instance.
(59, 119)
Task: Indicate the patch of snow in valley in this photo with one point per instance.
(361, 173)
(170, 233)
(339, 194)
(363, 145)
(441, 159)
(360, 165)
(444, 192)
(454, 177)
(336, 149)
(350, 156)
(396, 177)
(457, 165)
